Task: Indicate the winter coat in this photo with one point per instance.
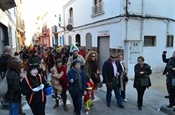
(108, 71)
(14, 89)
(137, 69)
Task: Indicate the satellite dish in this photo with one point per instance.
(69, 27)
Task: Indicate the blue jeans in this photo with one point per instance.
(13, 108)
(117, 95)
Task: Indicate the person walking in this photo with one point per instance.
(33, 88)
(74, 56)
(123, 76)
(141, 79)
(13, 95)
(91, 68)
(171, 80)
(76, 85)
(111, 72)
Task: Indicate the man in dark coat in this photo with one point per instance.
(166, 60)
(111, 72)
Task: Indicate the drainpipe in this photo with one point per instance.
(126, 43)
(142, 25)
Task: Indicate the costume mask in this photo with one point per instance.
(34, 72)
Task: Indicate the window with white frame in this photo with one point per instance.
(169, 41)
(70, 20)
(149, 41)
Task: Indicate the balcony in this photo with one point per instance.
(70, 20)
(97, 10)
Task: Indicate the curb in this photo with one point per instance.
(167, 110)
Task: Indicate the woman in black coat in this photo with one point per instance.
(142, 70)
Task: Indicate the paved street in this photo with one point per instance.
(153, 100)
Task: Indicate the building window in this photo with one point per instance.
(70, 20)
(169, 41)
(149, 41)
(97, 9)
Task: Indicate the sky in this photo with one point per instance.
(31, 9)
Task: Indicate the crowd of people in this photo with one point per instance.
(67, 68)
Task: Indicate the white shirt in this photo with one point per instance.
(115, 68)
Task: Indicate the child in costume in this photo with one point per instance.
(88, 98)
(55, 82)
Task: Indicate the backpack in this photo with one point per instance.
(3, 86)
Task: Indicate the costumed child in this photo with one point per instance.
(88, 98)
(55, 82)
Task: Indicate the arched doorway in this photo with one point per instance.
(88, 41)
(78, 40)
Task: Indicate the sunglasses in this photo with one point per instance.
(93, 56)
(113, 57)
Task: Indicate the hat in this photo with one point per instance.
(88, 86)
(73, 48)
(75, 62)
(59, 61)
(32, 66)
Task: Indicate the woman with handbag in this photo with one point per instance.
(141, 79)
(76, 85)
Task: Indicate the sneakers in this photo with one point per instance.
(125, 100)
(87, 112)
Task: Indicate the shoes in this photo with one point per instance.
(167, 96)
(87, 112)
(125, 100)
(108, 105)
(169, 106)
(121, 106)
(139, 108)
(22, 113)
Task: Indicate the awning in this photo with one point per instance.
(7, 4)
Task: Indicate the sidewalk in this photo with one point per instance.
(154, 96)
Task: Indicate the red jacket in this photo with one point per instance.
(62, 80)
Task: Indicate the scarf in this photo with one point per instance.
(78, 76)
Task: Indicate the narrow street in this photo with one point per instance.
(153, 101)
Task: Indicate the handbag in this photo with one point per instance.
(74, 88)
(145, 81)
(3, 86)
(95, 78)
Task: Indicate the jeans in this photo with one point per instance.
(117, 95)
(13, 108)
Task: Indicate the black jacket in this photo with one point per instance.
(34, 82)
(165, 60)
(108, 71)
(137, 69)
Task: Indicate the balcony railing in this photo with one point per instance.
(70, 20)
(98, 9)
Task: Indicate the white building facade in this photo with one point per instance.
(133, 27)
